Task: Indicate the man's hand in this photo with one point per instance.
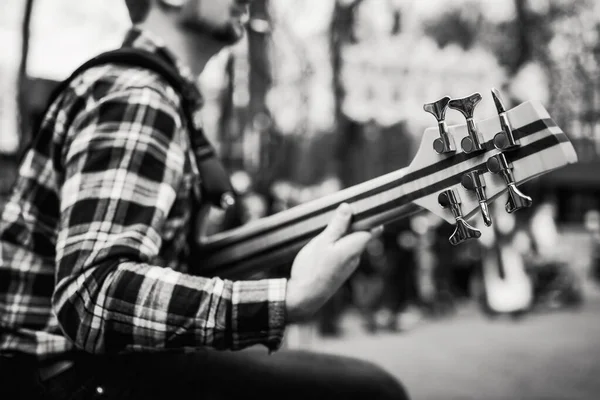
(323, 265)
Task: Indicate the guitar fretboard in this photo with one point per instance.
(274, 241)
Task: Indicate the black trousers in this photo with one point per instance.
(209, 374)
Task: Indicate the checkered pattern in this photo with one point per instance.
(94, 239)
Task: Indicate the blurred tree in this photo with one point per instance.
(455, 26)
(385, 147)
(9, 162)
(22, 95)
(261, 124)
(227, 116)
(524, 36)
(350, 138)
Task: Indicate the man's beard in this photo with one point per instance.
(227, 34)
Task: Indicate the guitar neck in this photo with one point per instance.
(274, 241)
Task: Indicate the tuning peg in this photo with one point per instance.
(474, 181)
(445, 143)
(466, 106)
(504, 140)
(227, 200)
(517, 200)
(450, 199)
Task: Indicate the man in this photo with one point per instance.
(94, 295)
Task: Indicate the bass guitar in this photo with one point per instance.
(457, 171)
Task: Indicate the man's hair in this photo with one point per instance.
(138, 9)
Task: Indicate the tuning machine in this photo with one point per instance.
(475, 181)
(450, 199)
(505, 139)
(498, 164)
(444, 144)
(466, 106)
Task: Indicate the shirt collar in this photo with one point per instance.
(142, 39)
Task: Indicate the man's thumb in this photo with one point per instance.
(338, 226)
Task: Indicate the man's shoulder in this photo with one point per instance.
(125, 87)
(113, 79)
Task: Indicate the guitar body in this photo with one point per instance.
(507, 287)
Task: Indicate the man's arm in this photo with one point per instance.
(123, 167)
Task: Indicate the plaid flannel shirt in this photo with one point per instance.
(93, 240)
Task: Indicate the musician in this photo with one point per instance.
(95, 301)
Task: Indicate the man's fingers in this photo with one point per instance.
(377, 231)
(353, 263)
(338, 225)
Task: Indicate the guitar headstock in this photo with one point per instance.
(458, 170)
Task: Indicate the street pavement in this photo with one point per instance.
(550, 355)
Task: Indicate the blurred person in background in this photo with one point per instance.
(95, 300)
(367, 284)
(400, 293)
(592, 224)
(384, 285)
(446, 260)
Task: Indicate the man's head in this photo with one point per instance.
(222, 20)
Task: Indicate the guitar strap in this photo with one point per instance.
(214, 179)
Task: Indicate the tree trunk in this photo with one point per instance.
(9, 163)
(349, 133)
(259, 82)
(22, 79)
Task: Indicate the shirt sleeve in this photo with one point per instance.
(123, 165)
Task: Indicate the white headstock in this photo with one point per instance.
(541, 146)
